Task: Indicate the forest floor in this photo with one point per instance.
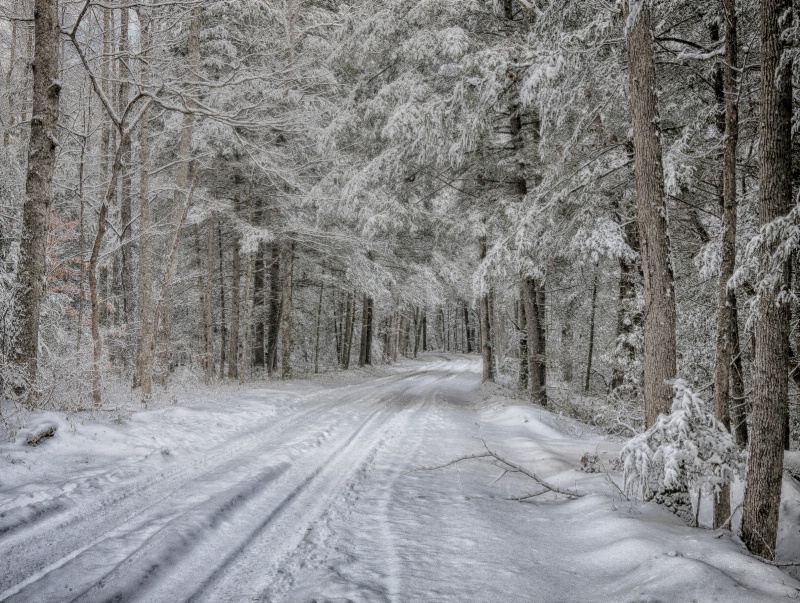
(316, 491)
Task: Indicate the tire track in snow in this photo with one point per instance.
(190, 524)
(330, 549)
(317, 498)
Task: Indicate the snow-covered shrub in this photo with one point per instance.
(685, 450)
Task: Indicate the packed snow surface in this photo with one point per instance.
(328, 491)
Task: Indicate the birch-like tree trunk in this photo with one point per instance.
(659, 287)
(770, 364)
(38, 188)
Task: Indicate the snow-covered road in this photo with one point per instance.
(311, 493)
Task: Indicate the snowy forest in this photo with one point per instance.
(593, 202)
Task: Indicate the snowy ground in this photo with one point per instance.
(313, 492)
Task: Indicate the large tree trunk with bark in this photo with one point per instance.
(770, 365)
(659, 289)
(38, 188)
(726, 296)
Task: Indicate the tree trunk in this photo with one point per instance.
(486, 340)
(233, 352)
(38, 189)
(259, 359)
(770, 367)
(659, 290)
(398, 324)
(125, 207)
(363, 340)
(739, 403)
(145, 363)
(286, 312)
(81, 220)
(105, 80)
(9, 79)
(726, 296)
(97, 349)
(567, 341)
(223, 325)
(370, 330)
(627, 313)
(541, 323)
(348, 330)
(316, 339)
(424, 330)
(208, 306)
(274, 320)
(522, 333)
(486, 333)
(337, 328)
(470, 335)
(588, 376)
(97, 343)
(534, 341)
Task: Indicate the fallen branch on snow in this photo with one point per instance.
(509, 466)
